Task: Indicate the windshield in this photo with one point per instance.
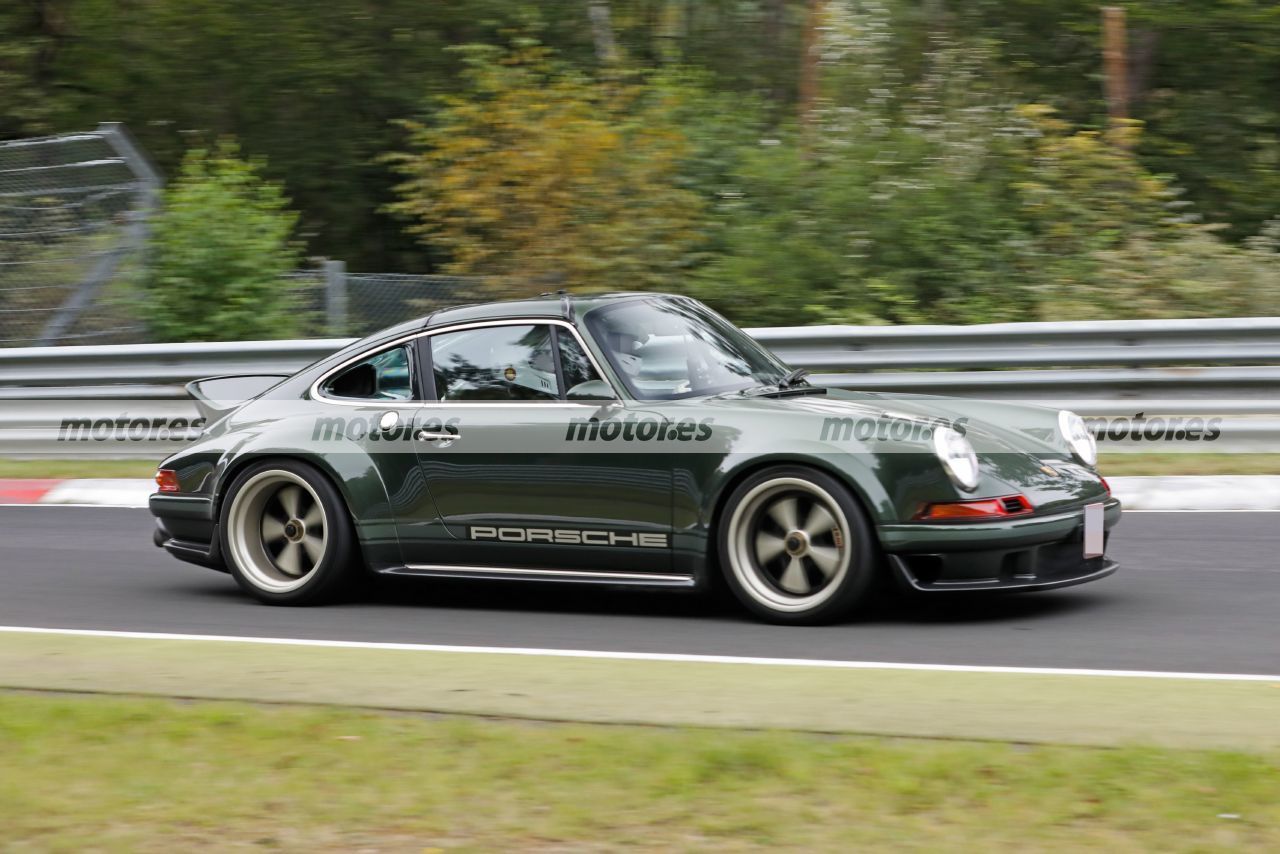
(664, 349)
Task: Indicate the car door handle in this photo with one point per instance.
(430, 436)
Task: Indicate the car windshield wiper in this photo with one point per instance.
(779, 391)
(794, 378)
(793, 391)
(792, 384)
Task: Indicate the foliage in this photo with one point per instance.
(939, 200)
(1202, 79)
(1113, 240)
(542, 177)
(921, 190)
(896, 206)
(316, 88)
(220, 248)
(1194, 275)
(311, 87)
(25, 40)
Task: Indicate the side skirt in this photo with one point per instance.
(570, 576)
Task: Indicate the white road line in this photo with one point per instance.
(648, 656)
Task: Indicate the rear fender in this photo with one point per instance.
(351, 469)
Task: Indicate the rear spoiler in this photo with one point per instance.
(216, 396)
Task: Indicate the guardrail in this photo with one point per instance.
(112, 370)
(1237, 341)
(1226, 368)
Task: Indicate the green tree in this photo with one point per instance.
(894, 206)
(28, 36)
(220, 247)
(540, 176)
(1203, 79)
(928, 196)
(311, 87)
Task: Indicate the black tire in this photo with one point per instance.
(817, 567)
(273, 516)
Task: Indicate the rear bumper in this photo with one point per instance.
(1033, 553)
(185, 529)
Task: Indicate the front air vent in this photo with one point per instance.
(1014, 504)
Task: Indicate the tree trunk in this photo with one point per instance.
(602, 30)
(809, 62)
(1115, 55)
(671, 31)
(1142, 62)
(775, 12)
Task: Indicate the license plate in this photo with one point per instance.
(1094, 543)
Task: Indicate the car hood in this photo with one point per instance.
(1018, 445)
(992, 426)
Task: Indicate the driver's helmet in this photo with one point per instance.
(624, 340)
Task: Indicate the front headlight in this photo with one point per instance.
(957, 456)
(1078, 437)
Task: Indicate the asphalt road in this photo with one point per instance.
(1195, 592)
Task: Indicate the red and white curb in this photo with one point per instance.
(1255, 493)
(100, 492)
(1238, 492)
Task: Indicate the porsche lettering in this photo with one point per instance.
(569, 537)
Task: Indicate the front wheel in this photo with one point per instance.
(796, 547)
(286, 534)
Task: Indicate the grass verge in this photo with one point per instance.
(964, 705)
(72, 468)
(159, 775)
(1120, 464)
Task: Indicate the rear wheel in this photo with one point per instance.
(286, 534)
(796, 547)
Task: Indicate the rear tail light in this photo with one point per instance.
(983, 508)
(1105, 485)
(167, 480)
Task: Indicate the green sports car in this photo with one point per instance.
(623, 439)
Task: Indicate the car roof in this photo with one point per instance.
(545, 305)
(551, 305)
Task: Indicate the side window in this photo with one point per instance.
(574, 364)
(495, 363)
(382, 377)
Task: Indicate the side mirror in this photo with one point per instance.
(591, 391)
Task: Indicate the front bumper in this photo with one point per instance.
(1030, 553)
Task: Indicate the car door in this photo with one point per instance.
(513, 485)
(375, 400)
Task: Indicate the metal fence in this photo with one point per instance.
(327, 300)
(73, 222)
(74, 210)
(361, 303)
(1225, 369)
